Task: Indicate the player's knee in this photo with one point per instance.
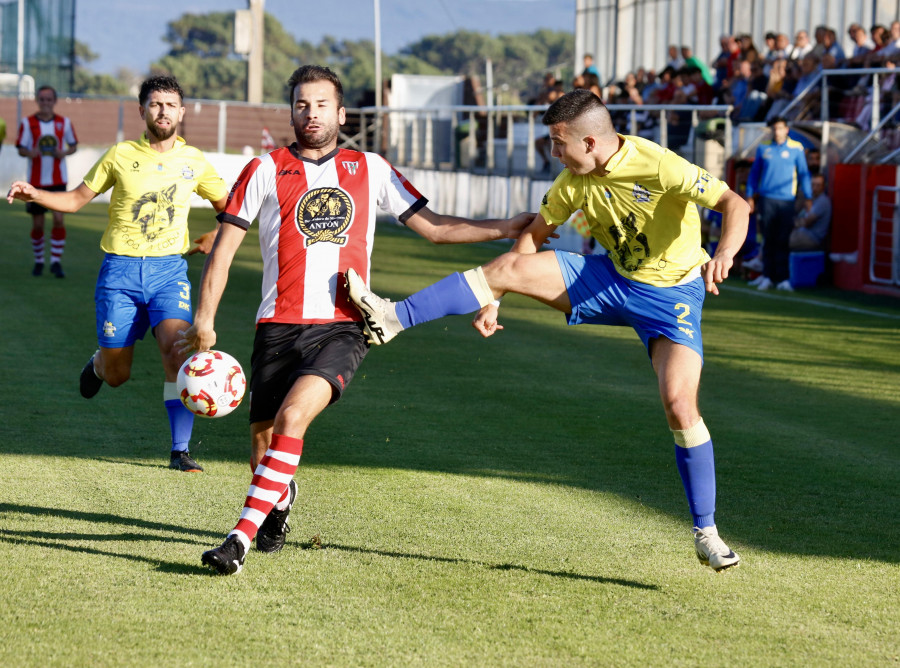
(681, 411)
(501, 272)
(293, 419)
(116, 376)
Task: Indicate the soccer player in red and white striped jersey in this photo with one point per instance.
(316, 207)
(46, 138)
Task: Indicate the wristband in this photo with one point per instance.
(496, 303)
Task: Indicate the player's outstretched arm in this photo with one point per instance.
(735, 219)
(69, 201)
(534, 236)
(205, 241)
(440, 229)
(202, 335)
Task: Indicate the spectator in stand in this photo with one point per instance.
(592, 83)
(550, 91)
(724, 62)
(650, 88)
(820, 34)
(861, 46)
(811, 225)
(748, 49)
(878, 34)
(578, 82)
(692, 61)
(801, 46)
(589, 67)
(676, 60)
(779, 165)
(665, 87)
(833, 47)
(813, 161)
(890, 50)
(770, 47)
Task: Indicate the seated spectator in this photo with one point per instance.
(861, 47)
(833, 47)
(724, 62)
(675, 61)
(592, 83)
(811, 225)
(801, 46)
(878, 34)
(692, 61)
(589, 67)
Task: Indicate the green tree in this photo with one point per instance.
(87, 83)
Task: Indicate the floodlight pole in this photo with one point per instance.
(20, 58)
(255, 62)
(378, 84)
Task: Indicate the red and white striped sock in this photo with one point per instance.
(57, 243)
(269, 485)
(37, 245)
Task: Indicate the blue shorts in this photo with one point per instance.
(134, 293)
(601, 296)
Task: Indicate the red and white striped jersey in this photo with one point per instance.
(46, 170)
(316, 220)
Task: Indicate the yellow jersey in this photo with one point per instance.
(150, 200)
(642, 211)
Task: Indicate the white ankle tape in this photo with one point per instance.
(692, 437)
(479, 286)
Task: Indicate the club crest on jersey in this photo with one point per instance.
(351, 166)
(641, 194)
(323, 214)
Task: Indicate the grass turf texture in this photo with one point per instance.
(510, 501)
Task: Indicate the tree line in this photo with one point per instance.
(201, 56)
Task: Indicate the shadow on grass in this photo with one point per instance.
(102, 518)
(315, 544)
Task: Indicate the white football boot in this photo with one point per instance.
(379, 315)
(712, 550)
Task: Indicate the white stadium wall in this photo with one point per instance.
(624, 35)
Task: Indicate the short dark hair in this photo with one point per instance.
(311, 73)
(572, 105)
(777, 119)
(50, 88)
(163, 83)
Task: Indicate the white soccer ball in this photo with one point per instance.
(211, 384)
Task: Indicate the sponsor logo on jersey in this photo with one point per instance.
(544, 200)
(135, 166)
(702, 182)
(350, 166)
(323, 214)
(47, 144)
(607, 192)
(187, 174)
(641, 194)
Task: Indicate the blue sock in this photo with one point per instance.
(449, 296)
(698, 475)
(181, 421)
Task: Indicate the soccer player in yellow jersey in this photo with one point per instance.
(640, 201)
(143, 280)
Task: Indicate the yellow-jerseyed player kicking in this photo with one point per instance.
(640, 201)
(143, 280)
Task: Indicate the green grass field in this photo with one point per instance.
(511, 501)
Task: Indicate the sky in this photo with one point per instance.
(125, 33)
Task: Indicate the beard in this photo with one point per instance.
(325, 137)
(161, 134)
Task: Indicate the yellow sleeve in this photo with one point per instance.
(102, 175)
(691, 182)
(2, 130)
(557, 205)
(210, 185)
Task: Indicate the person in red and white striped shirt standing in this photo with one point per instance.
(46, 138)
(316, 206)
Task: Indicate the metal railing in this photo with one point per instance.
(490, 139)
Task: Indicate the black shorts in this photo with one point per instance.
(282, 353)
(37, 209)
